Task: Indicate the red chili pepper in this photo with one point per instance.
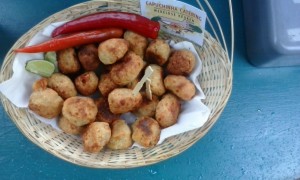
(72, 40)
(130, 21)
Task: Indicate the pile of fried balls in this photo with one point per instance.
(94, 87)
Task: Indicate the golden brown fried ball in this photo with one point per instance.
(112, 50)
(127, 70)
(46, 103)
(157, 82)
(67, 61)
(40, 84)
(104, 114)
(120, 136)
(158, 52)
(96, 137)
(137, 43)
(122, 100)
(106, 84)
(167, 110)
(146, 131)
(88, 57)
(181, 62)
(87, 83)
(133, 83)
(147, 107)
(69, 128)
(180, 86)
(79, 110)
(63, 85)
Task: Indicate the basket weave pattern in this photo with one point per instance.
(215, 80)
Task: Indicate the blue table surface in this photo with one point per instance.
(256, 137)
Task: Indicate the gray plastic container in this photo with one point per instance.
(272, 32)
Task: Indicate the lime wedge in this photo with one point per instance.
(51, 57)
(40, 67)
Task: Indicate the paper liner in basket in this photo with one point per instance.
(19, 88)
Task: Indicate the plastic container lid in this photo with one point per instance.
(272, 32)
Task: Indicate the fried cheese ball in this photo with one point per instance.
(96, 136)
(127, 70)
(146, 131)
(167, 110)
(46, 103)
(122, 100)
(104, 114)
(180, 86)
(157, 82)
(69, 128)
(181, 62)
(147, 107)
(86, 83)
(112, 50)
(133, 83)
(62, 84)
(40, 84)
(120, 136)
(137, 43)
(88, 57)
(158, 52)
(79, 110)
(67, 61)
(106, 84)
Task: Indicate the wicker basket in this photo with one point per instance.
(215, 79)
